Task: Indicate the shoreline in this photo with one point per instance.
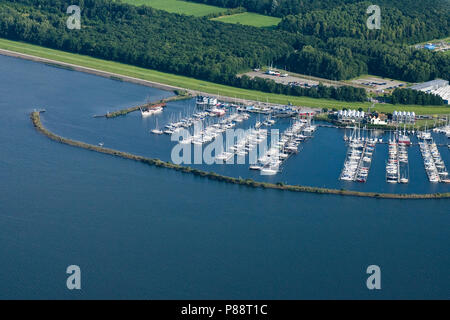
(120, 77)
(36, 120)
(97, 72)
(251, 97)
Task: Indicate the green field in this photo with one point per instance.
(199, 10)
(199, 85)
(250, 19)
(178, 6)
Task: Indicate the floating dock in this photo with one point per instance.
(359, 157)
(434, 165)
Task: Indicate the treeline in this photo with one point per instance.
(409, 96)
(340, 38)
(227, 12)
(214, 51)
(350, 21)
(337, 66)
(346, 58)
(391, 60)
(344, 93)
(327, 34)
(276, 8)
(145, 37)
(282, 8)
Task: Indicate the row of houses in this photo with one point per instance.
(404, 117)
(352, 116)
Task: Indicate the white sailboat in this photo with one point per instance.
(157, 130)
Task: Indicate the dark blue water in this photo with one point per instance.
(148, 233)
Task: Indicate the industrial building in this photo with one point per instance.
(444, 93)
(438, 87)
(430, 85)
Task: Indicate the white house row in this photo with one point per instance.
(403, 116)
(351, 114)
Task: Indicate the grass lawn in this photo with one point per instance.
(178, 6)
(250, 19)
(200, 85)
(199, 10)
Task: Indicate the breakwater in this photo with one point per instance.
(36, 119)
(179, 96)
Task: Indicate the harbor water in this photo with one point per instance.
(140, 232)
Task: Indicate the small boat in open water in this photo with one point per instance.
(157, 130)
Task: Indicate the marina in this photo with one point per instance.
(359, 157)
(443, 130)
(288, 144)
(215, 129)
(317, 165)
(205, 124)
(434, 165)
(250, 140)
(397, 166)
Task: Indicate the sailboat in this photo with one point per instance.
(156, 130)
(403, 138)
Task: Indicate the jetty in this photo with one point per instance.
(359, 157)
(147, 106)
(397, 166)
(288, 144)
(434, 165)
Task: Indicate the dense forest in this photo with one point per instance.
(282, 8)
(343, 40)
(329, 36)
(150, 38)
(215, 51)
(350, 21)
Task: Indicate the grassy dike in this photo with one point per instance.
(167, 81)
(36, 119)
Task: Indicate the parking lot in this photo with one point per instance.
(378, 84)
(285, 80)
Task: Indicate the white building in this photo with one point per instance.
(437, 87)
(430, 85)
(378, 121)
(444, 93)
(351, 115)
(404, 117)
